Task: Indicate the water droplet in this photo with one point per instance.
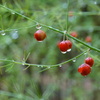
(3, 33)
(60, 65)
(38, 66)
(74, 60)
(14, 34)
(69, 50)
(38, 26)
(63, 52)
(40, 41)
(95, 2)
(23, 63)
(13, 12)
(49, 67)
(65, 31)
(50, 26)
(85, 53)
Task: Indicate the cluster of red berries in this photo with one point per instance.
(64, 45)
(85, 68)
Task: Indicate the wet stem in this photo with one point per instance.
(46, 66)
(56, 30)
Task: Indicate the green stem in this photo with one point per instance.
(67, 15)
(85, 44)
(21, 63)
(54, 29)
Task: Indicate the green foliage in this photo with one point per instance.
(31, 70)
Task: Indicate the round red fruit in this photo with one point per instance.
(74, 34)
(84, 69)
(89, 61)
(71, 13)
(63, 46)
(39, 35)
(69, 44)
(88, 39)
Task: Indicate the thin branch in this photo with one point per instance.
(54, 29)
(21, 63)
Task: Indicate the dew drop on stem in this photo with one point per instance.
(13, 13)
(74, 60)
(38, 26)
(49, 66)
(85, 53)
(50, 27)
(23, 63)
(60, 65)
(65, 31)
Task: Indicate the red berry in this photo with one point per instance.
(80, 68)
(70, 13)
(74, 34)
(39, 35)
(69, 43)
(63, 46)
(89, 61)
(84, 69)
(88, 39)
